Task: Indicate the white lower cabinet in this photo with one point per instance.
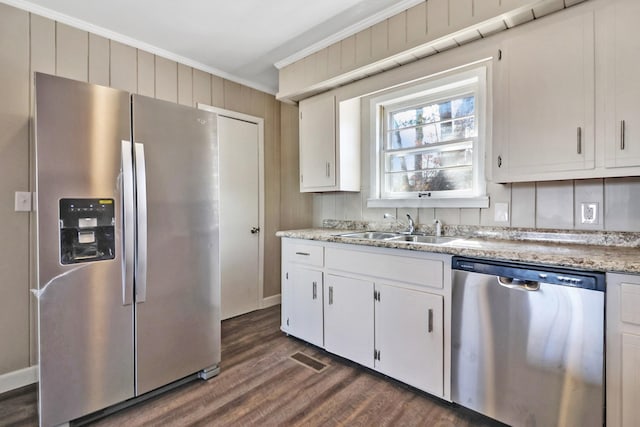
(305, 320)
(623, 350)
(302, 283)
(386, 309)
(409, 337)
(348, 318)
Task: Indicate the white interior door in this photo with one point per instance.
(239, 215)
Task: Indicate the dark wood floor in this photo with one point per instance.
(259, 385)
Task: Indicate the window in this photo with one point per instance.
(430, 142)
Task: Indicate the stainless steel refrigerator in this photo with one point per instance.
(127, 231)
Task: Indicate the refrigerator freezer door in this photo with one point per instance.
(85, 330)
(178, 323)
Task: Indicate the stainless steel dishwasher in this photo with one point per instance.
(528, 343)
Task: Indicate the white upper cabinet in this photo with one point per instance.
(566, 96)
(620, 63)
(546, 85)
(329, 144)
(317, 143)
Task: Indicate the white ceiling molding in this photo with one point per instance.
(85, 26)
(400, 6)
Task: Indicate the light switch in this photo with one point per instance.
(501, 212)
(23, 201)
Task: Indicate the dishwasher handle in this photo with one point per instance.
(522, 285)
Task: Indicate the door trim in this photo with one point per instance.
(261, 189)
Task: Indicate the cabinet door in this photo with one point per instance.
(621, 62)
(317, 143)
(305, 321)
(286, 283)
(410, 335)
(623, 350)
(548, 104)
(348, 318)
(630, 379)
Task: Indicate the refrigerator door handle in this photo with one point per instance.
(141, 220)
(128, 223)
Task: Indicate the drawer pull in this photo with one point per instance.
(303, 253)
(430, 322)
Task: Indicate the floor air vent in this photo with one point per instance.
(308, 361)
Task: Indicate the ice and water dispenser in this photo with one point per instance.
(87, 230)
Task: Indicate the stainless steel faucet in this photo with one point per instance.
(411, 228)
(438, 228)
(412, 225)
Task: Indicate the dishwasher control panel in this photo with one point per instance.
(532, 272)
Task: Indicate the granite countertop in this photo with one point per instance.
(613, 252)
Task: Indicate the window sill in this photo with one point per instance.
(470, 202)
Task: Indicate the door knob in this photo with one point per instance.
(255, 230)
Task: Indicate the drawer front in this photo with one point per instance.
(424, 272)
(306, 254)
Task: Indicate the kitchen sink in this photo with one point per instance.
(372, 235)
(416, 238)
(399, 237)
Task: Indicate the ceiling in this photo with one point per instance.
(239, 40)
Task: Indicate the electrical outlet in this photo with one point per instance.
(589, 213)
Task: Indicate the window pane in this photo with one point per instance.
(462, 107)
(406, 118)
(398, 162)
(412, 137)
(464, 128)
(433, 113)
(431, 180)
(431, 134)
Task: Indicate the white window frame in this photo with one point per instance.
(445, 85)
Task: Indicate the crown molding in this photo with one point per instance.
(400, 6)
(112, 35)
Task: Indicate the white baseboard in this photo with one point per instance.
(271, 301)
(16, 379)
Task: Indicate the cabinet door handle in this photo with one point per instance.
(622, 130)
(579, 137)
(430, 321)
(330, 295)
(328, 169)
(315, 290)
(499, 161)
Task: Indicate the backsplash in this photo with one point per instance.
(542, 205)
